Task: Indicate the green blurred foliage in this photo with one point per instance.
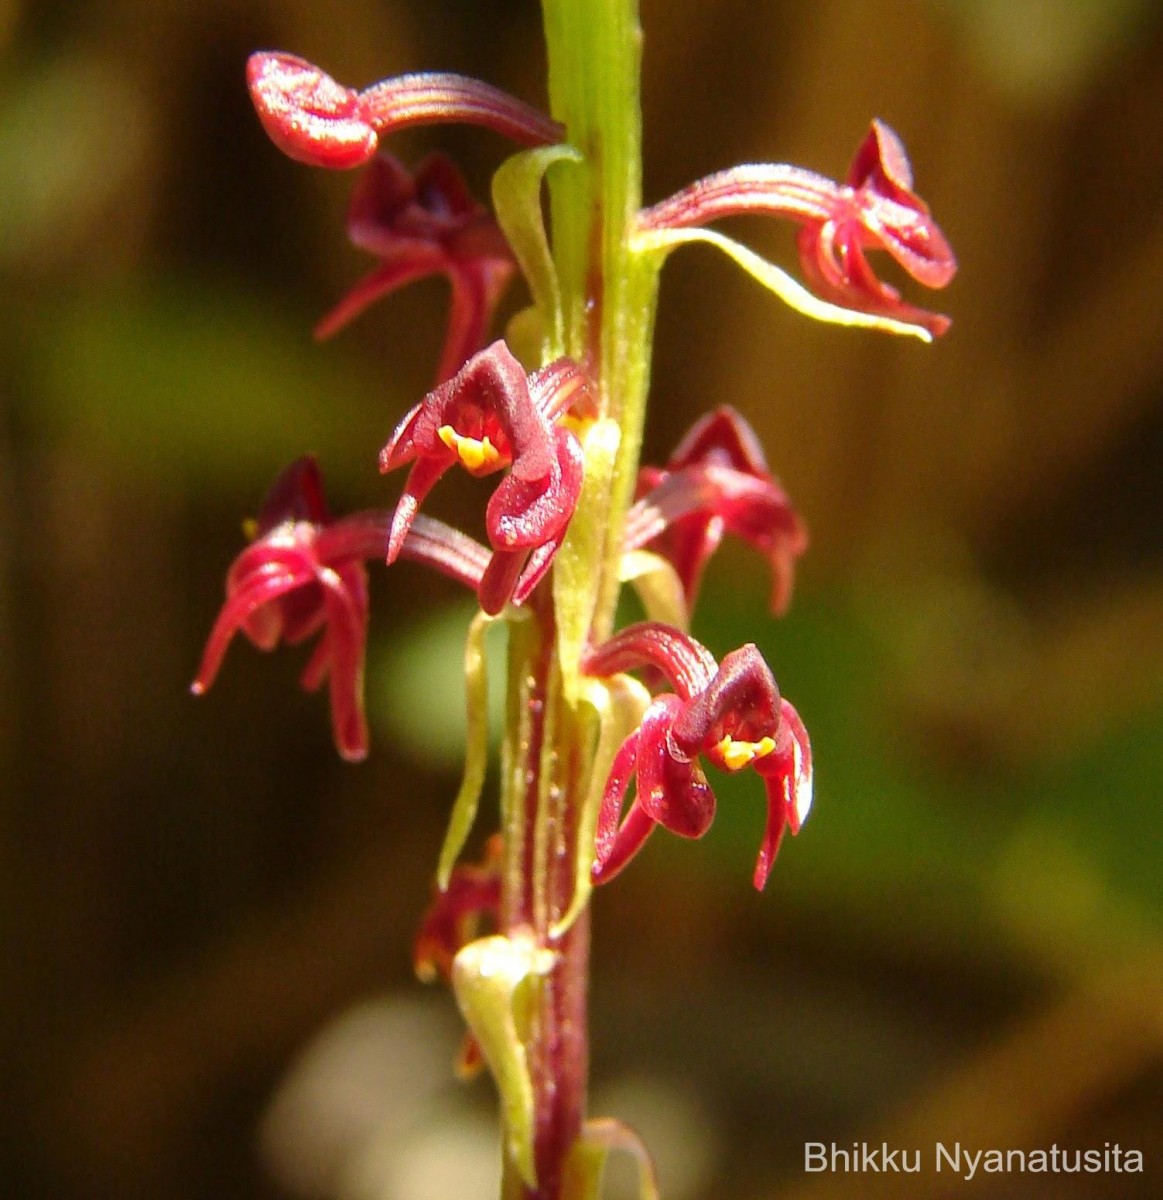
(1057, 858)
(206, 382)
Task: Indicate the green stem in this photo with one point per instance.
(608, 300)
(608, 291)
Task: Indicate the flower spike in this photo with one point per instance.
(304, 574)
(876, 208)
(730, 713)
(315, 120)
(488, 417)
(420, 225)
(717, 482)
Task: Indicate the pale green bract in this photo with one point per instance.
(476, 750)
(586, 1163)
(658, 586)
(517, 203)
(495, 980)
(775, 279)
(619, 703)
(577, 570)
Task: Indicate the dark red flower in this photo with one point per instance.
(878, 209)
(304, 574)
(456, 914)
(314, 119)
(875, 208)
(730, 713)
(717, 482)
(420, 225)
(488, 417)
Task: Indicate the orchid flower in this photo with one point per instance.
(717, 482)
(875, 208)
(314, 119)
(303, 574)
(488, 417)
(730, 714)
(420, 225)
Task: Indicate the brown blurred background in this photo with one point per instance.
(965, 943)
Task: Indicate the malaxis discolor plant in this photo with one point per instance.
(594, 714)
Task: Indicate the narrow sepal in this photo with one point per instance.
(787, 776)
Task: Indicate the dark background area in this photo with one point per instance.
(964, 944)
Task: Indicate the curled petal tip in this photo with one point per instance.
(352, 743)
(307, 114)
(882, 148)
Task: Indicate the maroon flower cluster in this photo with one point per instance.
(304, 573)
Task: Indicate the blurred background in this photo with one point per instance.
(206, 917)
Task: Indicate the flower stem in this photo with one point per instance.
(542, 774)
(608, 301)
(608, 290)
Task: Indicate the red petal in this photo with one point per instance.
(672, 791)
(787, 776)
(309, 116)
